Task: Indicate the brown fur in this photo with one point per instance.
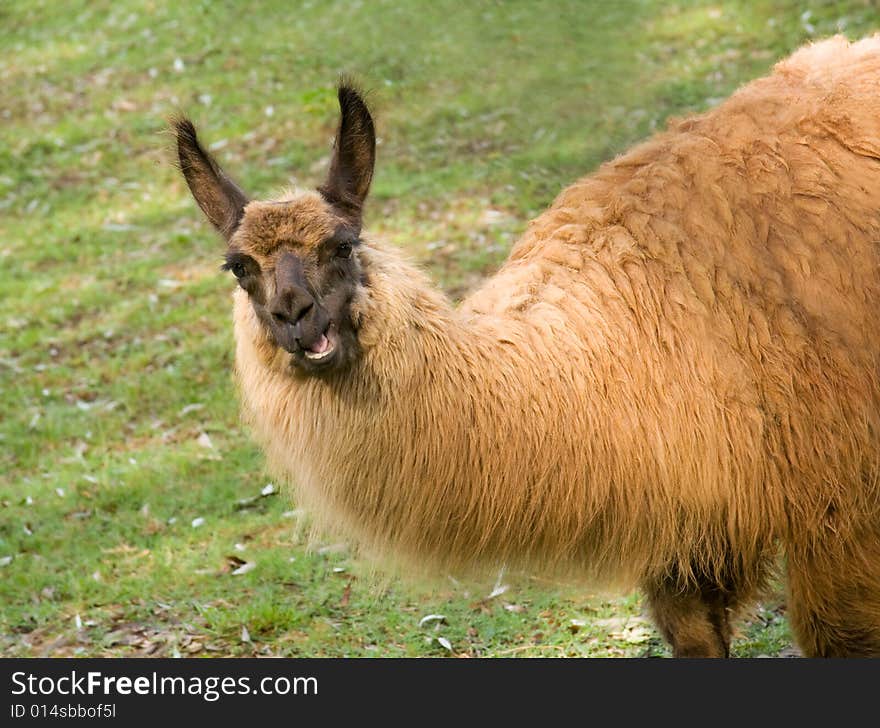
(675, 372)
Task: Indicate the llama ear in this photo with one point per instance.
(354, 154)
(219, 197)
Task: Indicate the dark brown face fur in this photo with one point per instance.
(296, 258)
(301, 279)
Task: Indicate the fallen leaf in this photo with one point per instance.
(248, 502)
(576, 625)
(616, 623)
(123, 105)
(234, 561)
(482, 606)
(428, 618)
(634, 635)
(245, 635)
(445, 643)
(499, 588)
(244, 568)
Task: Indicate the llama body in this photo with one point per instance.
(674, 374)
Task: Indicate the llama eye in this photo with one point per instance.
(343, 250)
(243, 267)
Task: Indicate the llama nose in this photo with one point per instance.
(291, 306)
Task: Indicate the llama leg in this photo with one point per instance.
(834, 597)
(695, 620)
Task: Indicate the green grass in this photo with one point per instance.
(115, 342)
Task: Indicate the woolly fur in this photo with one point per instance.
(675, 372)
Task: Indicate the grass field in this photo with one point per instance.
(135, 515)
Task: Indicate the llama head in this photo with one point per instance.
(296, 257)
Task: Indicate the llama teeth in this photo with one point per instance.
(320, 350)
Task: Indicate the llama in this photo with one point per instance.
(672, 377)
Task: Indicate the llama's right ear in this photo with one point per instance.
(354, 155)
(219, 197)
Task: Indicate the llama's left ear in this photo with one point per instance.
(219, 197)
(354, 155)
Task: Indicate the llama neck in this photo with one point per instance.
(459, 437)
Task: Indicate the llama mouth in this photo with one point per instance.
(321, 349)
